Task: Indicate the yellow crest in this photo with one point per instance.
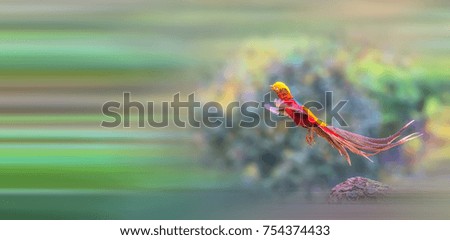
(279, 86)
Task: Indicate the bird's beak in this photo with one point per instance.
(271, 87)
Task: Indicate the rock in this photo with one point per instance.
(358, 189)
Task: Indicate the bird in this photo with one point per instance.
(342, 140)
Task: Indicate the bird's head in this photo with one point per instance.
(281, 90)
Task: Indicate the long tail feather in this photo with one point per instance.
(362, 145)
(341, 149)
(385, 140)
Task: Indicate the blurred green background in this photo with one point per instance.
(61, 60)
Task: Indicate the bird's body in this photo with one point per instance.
(340, 139)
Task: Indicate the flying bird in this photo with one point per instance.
(340, 139)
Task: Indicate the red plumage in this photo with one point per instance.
(340, 139)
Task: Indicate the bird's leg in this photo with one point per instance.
(310, 136)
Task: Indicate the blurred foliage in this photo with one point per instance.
(405, 88)
(279, 158)
(384, 90)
